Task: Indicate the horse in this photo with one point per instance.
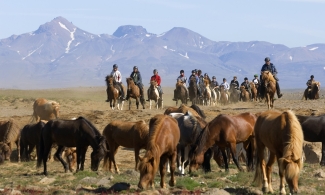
(45, 110)
(313, 93)
(313, 128)
(180, 92)
(127, 134)
(154, 94)
(270, 88)
(224, 98)
(194, 109)
(225, 131)
(78, 133)
(164, 135)
(30, 138)
(207, 93)
(190, 128)
(134, 92)
(9, 133)
(70, 155)
(192, 90)
(244, 95)
(281, 133)
(234, 96)
(253, 91)
(113, 94)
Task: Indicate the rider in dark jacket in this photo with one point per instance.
(247, 86)
(235, 83)
(268, 66)
(136, 76)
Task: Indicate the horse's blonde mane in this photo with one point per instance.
(206, 82)
(268, 76)
(252, 84)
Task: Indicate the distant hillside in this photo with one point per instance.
(59, 54)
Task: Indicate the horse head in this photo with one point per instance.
(206, 82)
(98, 153)
(147, 172)
(268, 77)
(291, 168)
(252, 85)
(109, 80)
(5, 150)
(153, 84)
(242, 88)
(179, 83)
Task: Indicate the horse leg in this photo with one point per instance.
(58, 155)
(18, 149)
(282, 178)
(172, 160)
(224, 156)
(137, 102)
(136, 155)
(129, 103)
(269, 164)
(83, 156)
(162, 169)
(235, 155)
(322, 161)
(113, 151)
(47, 149)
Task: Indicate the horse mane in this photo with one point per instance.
(206, 82)
(242, 87)
(198, 110)
(129, 81)
(268, 76)
(296, 139)
(315, 84)
(107, 79)
(179, 83)
(252, 84)
(143, 128)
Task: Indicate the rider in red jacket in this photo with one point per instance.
(156, 78)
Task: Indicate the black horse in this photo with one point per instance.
(78, 133)
(313, 128)
(29, 138)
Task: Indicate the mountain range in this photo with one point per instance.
(59, 54)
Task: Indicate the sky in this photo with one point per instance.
(294, 23)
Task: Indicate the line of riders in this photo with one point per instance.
(214, 85)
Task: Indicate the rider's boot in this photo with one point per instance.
(278, 91)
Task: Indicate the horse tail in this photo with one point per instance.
(40, 154)
(106, 157)
(258, 178)
(250, 157)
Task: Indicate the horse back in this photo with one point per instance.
(31, 134)
(313, 127)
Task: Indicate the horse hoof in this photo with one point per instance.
(265, 189)
(171, 183)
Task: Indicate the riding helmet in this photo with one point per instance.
(199, 71)
(312, 76)
(224, 79)
(193, 71)
(267, 59)
(155, 70)
(182, 71)
(206, 74)
(235, 77)
(245, 78)
(135, 67)
(115, 66)
(213, 77)
(255, 75)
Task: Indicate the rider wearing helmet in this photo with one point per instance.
(257, 83)
(235, 83)
(309, 83)
(268, 66)
(118, 80)
(156, 78)
(214, 83)
(183, 79)
(136, 76)
(197, 81)
(247, 86)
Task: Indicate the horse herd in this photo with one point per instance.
(178, 136)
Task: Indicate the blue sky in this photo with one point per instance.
(293, 23)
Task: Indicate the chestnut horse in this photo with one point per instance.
(270, 88)
(180, 92)
(127, 134)
(134, 92)
(234, 95)
(224, 97)
(253, 91)
(9, 134)
(281, 133)
(78, 133)
(154, 94)
(225, 131)
(164, 135)
(244, 95)
(113, 94)
(313, 94)
(192, 90)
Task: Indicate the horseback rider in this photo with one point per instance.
(268, 66)
(183, 79)
(214, 83)
(247, 86)
(225, 85)
(235, 83)
(309, 83)
(156, 78)
(136, 76)
(206, 77)
(257, 83)
(197, 81)
(118, 81)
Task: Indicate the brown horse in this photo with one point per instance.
(225, 131)
(192, 90)
(70, 156)
(134, 92)
(281, 133)
(9, 133)
(313, 93)
(180, 92)
(224, 97)
(270, 88)
(164, 135)
(45, 109)
(113, 94)
(253, 91)
(207, 93)
(244, 95)
(126, 134)
(154, 94)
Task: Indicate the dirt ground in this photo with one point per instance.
(90, 103)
